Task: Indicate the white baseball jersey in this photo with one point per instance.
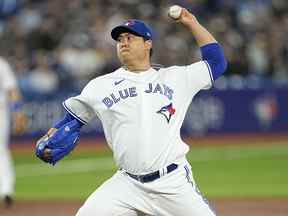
(7, 81)
(142, 113)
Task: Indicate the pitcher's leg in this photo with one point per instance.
(116, 197)
(182, 198)
(7, 175)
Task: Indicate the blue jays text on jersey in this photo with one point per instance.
(156, 88)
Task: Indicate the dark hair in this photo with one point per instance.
(151, 50)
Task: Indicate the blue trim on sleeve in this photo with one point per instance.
(74, 115)
(210, 73)
(214, 55)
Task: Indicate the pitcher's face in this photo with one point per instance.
(131, 47)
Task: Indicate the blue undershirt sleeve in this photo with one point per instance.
(213, 54)
(67, 118)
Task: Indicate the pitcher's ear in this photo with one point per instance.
(149, 43)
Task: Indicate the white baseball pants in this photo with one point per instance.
(7, 175)
(174, 194)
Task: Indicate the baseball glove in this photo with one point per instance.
(58, 143)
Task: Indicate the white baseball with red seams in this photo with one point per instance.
(175, 11)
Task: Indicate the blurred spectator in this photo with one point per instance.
(41, 80)
(82, 62)
(8, 8)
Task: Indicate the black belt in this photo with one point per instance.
(154, 175)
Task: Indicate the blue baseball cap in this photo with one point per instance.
(134, 26)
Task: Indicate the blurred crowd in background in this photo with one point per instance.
(57, 46)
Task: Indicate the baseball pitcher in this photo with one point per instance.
(142, 110)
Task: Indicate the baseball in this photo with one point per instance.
(175, 11)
